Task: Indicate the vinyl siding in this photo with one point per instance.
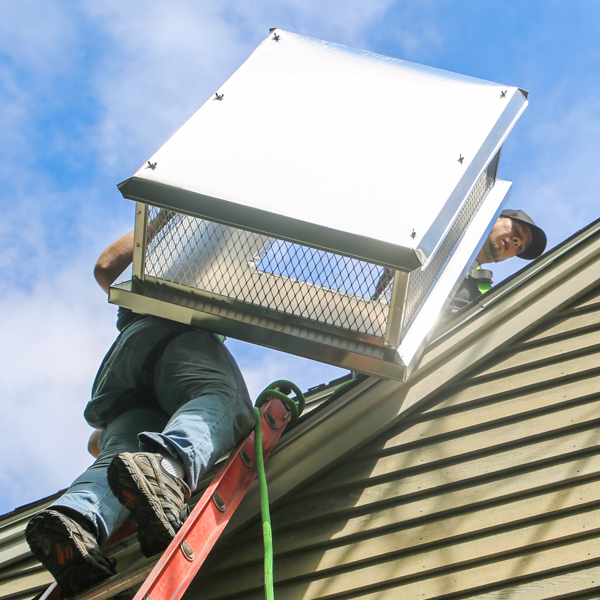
(489, 491)
(21, 575)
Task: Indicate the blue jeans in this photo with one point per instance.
(203, 411)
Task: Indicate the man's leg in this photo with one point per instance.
(198, 382)
(65, 537)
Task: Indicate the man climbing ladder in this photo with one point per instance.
(170, 400)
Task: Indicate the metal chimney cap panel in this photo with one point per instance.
(322, 137)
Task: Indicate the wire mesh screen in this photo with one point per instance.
(266, 272)
(422, 280)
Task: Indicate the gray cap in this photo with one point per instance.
(538, 237)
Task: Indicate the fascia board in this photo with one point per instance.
(375, 405)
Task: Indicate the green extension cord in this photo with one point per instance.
(270, 392)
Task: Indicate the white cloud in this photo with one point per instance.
(161, 63)
(564, 171)
(39, 37)
(554, 168)
(343, 21)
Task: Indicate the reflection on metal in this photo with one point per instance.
(342, 241)
(421, 281)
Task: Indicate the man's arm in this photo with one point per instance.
(113, 261)
(119, 255)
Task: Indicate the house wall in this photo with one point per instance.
(490, 491)
(21, 575)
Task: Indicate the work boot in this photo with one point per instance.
(157, 499)
(68, 550)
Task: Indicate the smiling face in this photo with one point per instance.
(507, 238)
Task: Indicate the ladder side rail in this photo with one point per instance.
(178, 565)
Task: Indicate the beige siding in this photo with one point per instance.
(488, 492)
(21, 576)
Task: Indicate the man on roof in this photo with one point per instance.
(514, 234)
(170, 400)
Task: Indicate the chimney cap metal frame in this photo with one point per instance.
(430, 199)
(339, 149)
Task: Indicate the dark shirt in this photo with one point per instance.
(125, 317)
(466, 293)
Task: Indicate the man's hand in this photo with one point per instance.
(93, 447)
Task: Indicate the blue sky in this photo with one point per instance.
(89, 90)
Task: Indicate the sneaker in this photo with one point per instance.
(68, 550)
(157, 500)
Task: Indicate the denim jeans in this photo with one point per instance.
(203, 411)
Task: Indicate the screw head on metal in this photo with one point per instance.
(413, 234)
(503, 94)
(276, 37)
(461, 158)
(151, 165)
(218, 96)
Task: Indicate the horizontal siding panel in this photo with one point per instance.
(539, 354)
(391, 548)
(351, 546)
(513, 445)
(429, 583)
(431, 425)
(567, 324)
(538, 374)
(466, 475)
(13, 552)
(591, 300)
(343, 520)
(22, 567)
(13, 530)
(25, 586)
(580, 584)
(546, 376)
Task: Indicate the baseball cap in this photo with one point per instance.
(538, 237)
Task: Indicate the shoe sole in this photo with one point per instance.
(68, 561)
(129, 485)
